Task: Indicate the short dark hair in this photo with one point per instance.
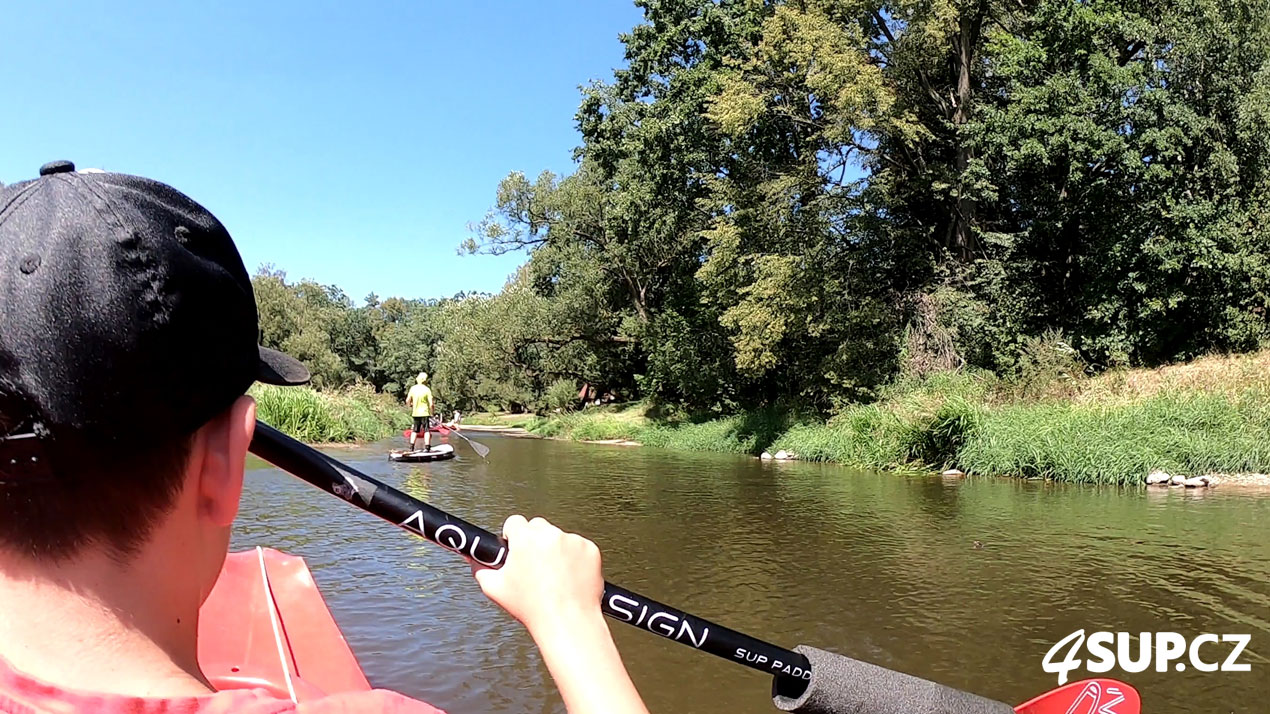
(96, 495)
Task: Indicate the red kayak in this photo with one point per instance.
(266, 625)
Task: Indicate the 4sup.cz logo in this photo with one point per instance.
(1116, 650)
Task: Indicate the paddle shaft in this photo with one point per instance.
(791, 669)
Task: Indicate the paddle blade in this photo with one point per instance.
(1089, 696)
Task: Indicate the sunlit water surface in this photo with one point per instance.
(876, 566)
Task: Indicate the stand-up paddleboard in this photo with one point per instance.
(440, 452)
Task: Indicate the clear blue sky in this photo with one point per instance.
(347, 142)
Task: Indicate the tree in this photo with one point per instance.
(296, 319)
(1126, 145)
(408, 334)
(503, 352)
(799, 201)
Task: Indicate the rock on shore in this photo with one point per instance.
(781, 455)
(1160, 478)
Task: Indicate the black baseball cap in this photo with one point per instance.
(126, 315)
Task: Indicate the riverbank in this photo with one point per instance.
(498, 421)
(521, 431)
(1211, 416)
(346, 416)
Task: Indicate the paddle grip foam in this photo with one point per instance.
(841, 685)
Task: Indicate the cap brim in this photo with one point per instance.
(278, 368)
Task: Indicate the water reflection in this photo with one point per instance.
(880, 567)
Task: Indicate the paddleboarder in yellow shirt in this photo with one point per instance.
(420, 398)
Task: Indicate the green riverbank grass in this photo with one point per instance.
(593, 424)
(1189, 433)
(1210, 416)
(329, 417)
(509, 421)
(745, 433)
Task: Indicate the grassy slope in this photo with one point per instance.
(510, 421)
(741, 433)
(326, 417)
(1212, 415)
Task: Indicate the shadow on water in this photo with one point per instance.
(879, 567)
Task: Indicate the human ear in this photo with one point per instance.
(226, 440)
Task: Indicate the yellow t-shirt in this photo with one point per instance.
(421, 398)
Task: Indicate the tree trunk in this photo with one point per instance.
(961, 229)
(637, 297)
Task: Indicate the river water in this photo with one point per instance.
(879, 567)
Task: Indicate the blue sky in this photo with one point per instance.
(350, 143)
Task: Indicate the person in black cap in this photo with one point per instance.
(120, 475)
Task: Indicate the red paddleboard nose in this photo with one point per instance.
(1088, 696)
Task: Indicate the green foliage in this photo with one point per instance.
(1046, 363)
(406, 343)
(502, 420)
(688, 362)
(506, 351)
(299, 319)
(1182, 433)
(562, 394)
(746, 433)
(356, 414)
(801, 202)
(806, 204)
(594, 423)
(383, 344)
(1094, 435)
(1209, 422)
(1127, 186)
(869, 438)
(485, 352)
(917, 423)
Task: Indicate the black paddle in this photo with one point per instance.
(807, 680)
(480, 449)
(488, 549)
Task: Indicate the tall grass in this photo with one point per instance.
(1117, 442)
(593, 424)
(1209, 417)
(745, 433)
(354, 414)
(503, 420)
(888, 436)
(1188, 433)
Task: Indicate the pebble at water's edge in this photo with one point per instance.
(781, 455)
